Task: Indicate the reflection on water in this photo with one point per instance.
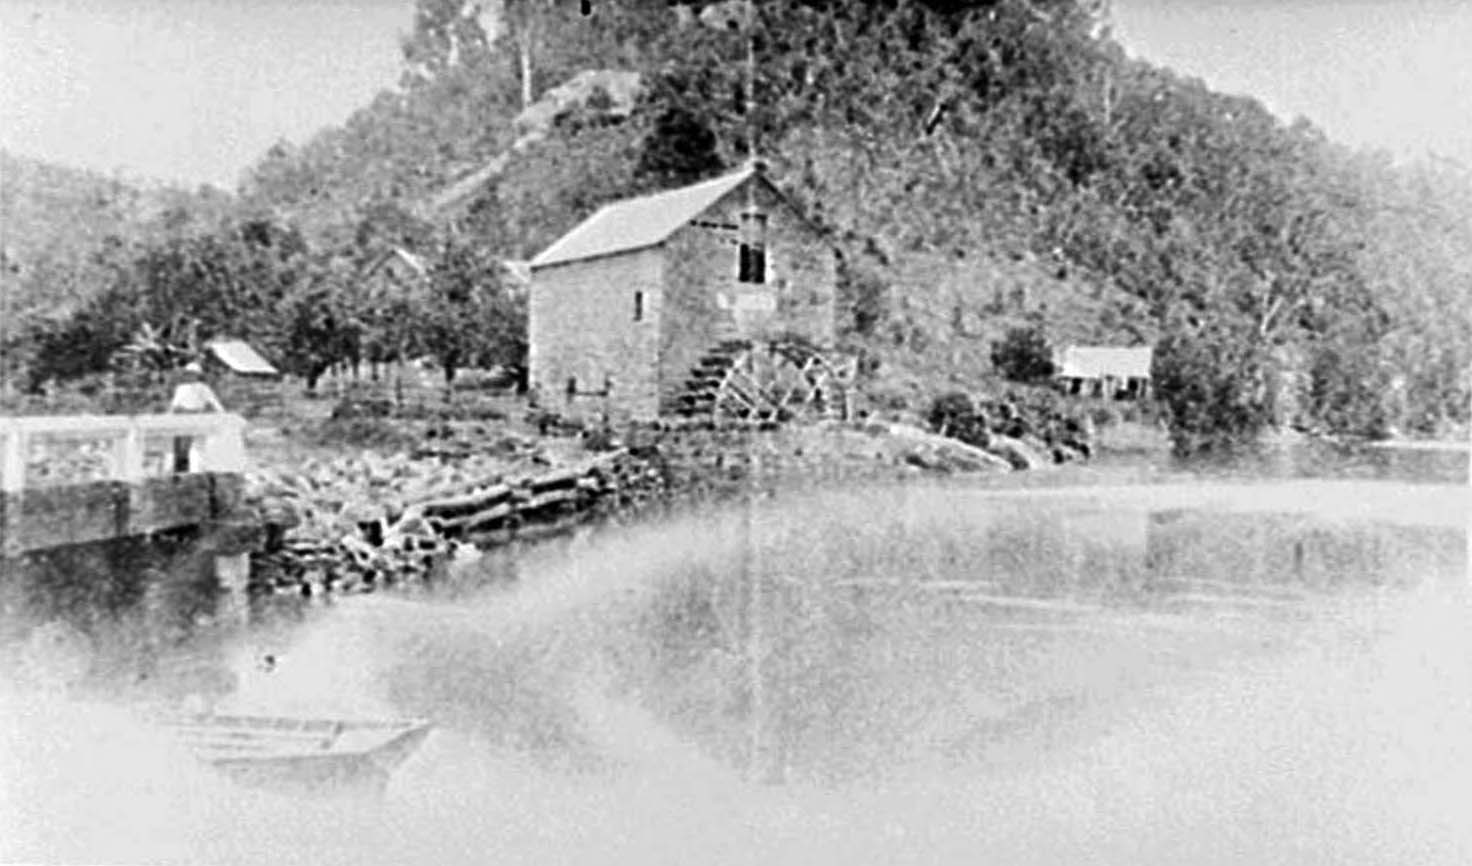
(1327, 460)
(1207, 674)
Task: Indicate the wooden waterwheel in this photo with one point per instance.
(768, 380)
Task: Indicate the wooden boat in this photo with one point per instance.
(299, 755)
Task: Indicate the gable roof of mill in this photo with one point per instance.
(638, 223)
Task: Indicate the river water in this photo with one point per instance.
(1262, 662)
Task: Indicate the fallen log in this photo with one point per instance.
(548, 499)
(533, 531)
(560, 478)
(489, 520)
(467, 503)
(1016, 452)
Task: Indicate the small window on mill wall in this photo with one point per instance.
(752, 259)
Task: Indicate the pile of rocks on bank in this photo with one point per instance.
(353, 524)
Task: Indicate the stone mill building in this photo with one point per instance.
(636, 307)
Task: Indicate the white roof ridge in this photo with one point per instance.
(637, 223)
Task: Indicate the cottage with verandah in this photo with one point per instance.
(650, 299)
(1105, 371)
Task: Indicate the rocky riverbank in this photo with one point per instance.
(1029, 429)
(358, 523)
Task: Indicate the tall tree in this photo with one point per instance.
(472, 317)
(447, 35)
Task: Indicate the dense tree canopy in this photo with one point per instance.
(994, 160)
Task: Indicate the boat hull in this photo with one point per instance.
(301, 755)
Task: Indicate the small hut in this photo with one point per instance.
(1112, 372)
(244, 380)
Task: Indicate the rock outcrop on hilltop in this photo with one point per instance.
(608, 93)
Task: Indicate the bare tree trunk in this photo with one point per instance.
(399, 376)
(525, 42)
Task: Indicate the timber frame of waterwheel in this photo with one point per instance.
(769, 380)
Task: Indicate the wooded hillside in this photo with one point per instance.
(59, 221)
(983, 167)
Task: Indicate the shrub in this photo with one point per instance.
(1213, 389)
(956, 415)
(1023, 355)
(949, 410)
